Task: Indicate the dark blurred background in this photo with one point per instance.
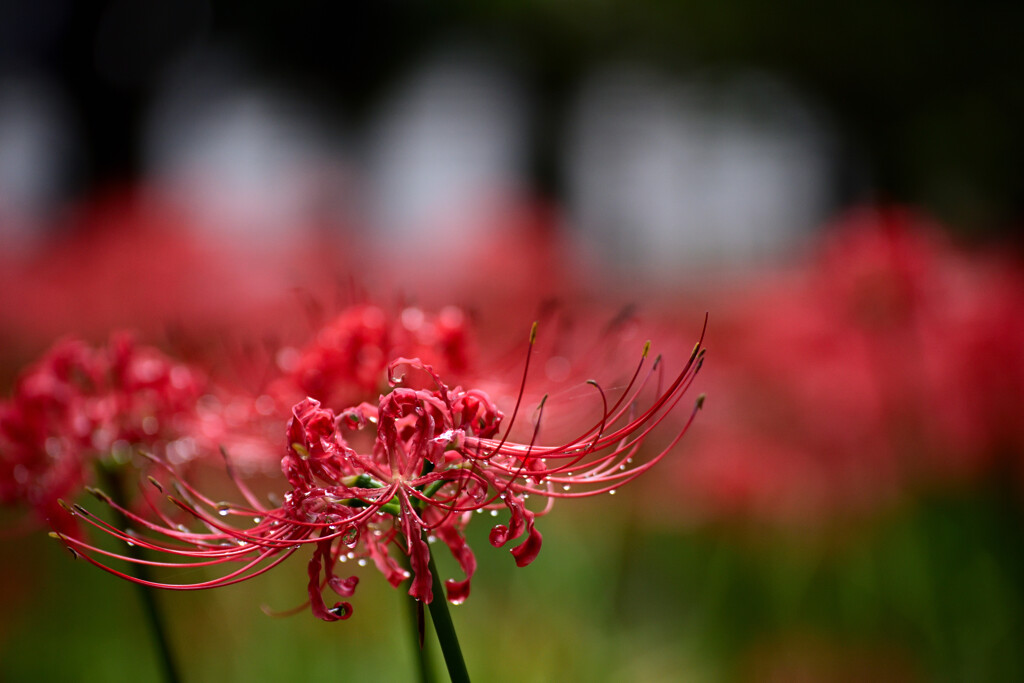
(921, 103)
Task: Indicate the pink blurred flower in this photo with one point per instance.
(346, 361)
(79, 404)
(131, 258)
(890, 361)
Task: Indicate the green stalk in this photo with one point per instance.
(446, 630)
(113, 482)
(417, 629)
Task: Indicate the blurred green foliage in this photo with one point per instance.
(932, 591)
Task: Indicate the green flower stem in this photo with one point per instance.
(416, 630)
(113, 482)
(426, 671)
(446, 630)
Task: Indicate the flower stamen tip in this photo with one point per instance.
(98, 494)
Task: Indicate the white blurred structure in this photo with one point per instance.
(37, 156)
(246, 160)
(449, 140)
(666, 176)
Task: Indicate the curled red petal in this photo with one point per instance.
(458, 591)
(321, 558)
(419, 556)
(346, 588)
(499, 535)
(527, 551)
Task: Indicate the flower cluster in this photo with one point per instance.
(347, 360)
(78, 404)
(372, 479)
(889, 361)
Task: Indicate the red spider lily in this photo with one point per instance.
(347, 360)
(438, 455)
(891, 361)
(79, 404)
(135, 257)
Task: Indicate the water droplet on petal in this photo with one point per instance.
(612, 492)
(342, 610)
(566, 487)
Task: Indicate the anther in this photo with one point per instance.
(98, 494)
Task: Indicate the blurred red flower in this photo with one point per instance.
(80, 404)
(888, 361)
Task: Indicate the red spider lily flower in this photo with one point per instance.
(135, 257)
(438, 455)
(79, 404)
(347, 360)
(890, 362)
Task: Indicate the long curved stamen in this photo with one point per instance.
(239, 484)
(234, 577)
(522, 389)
